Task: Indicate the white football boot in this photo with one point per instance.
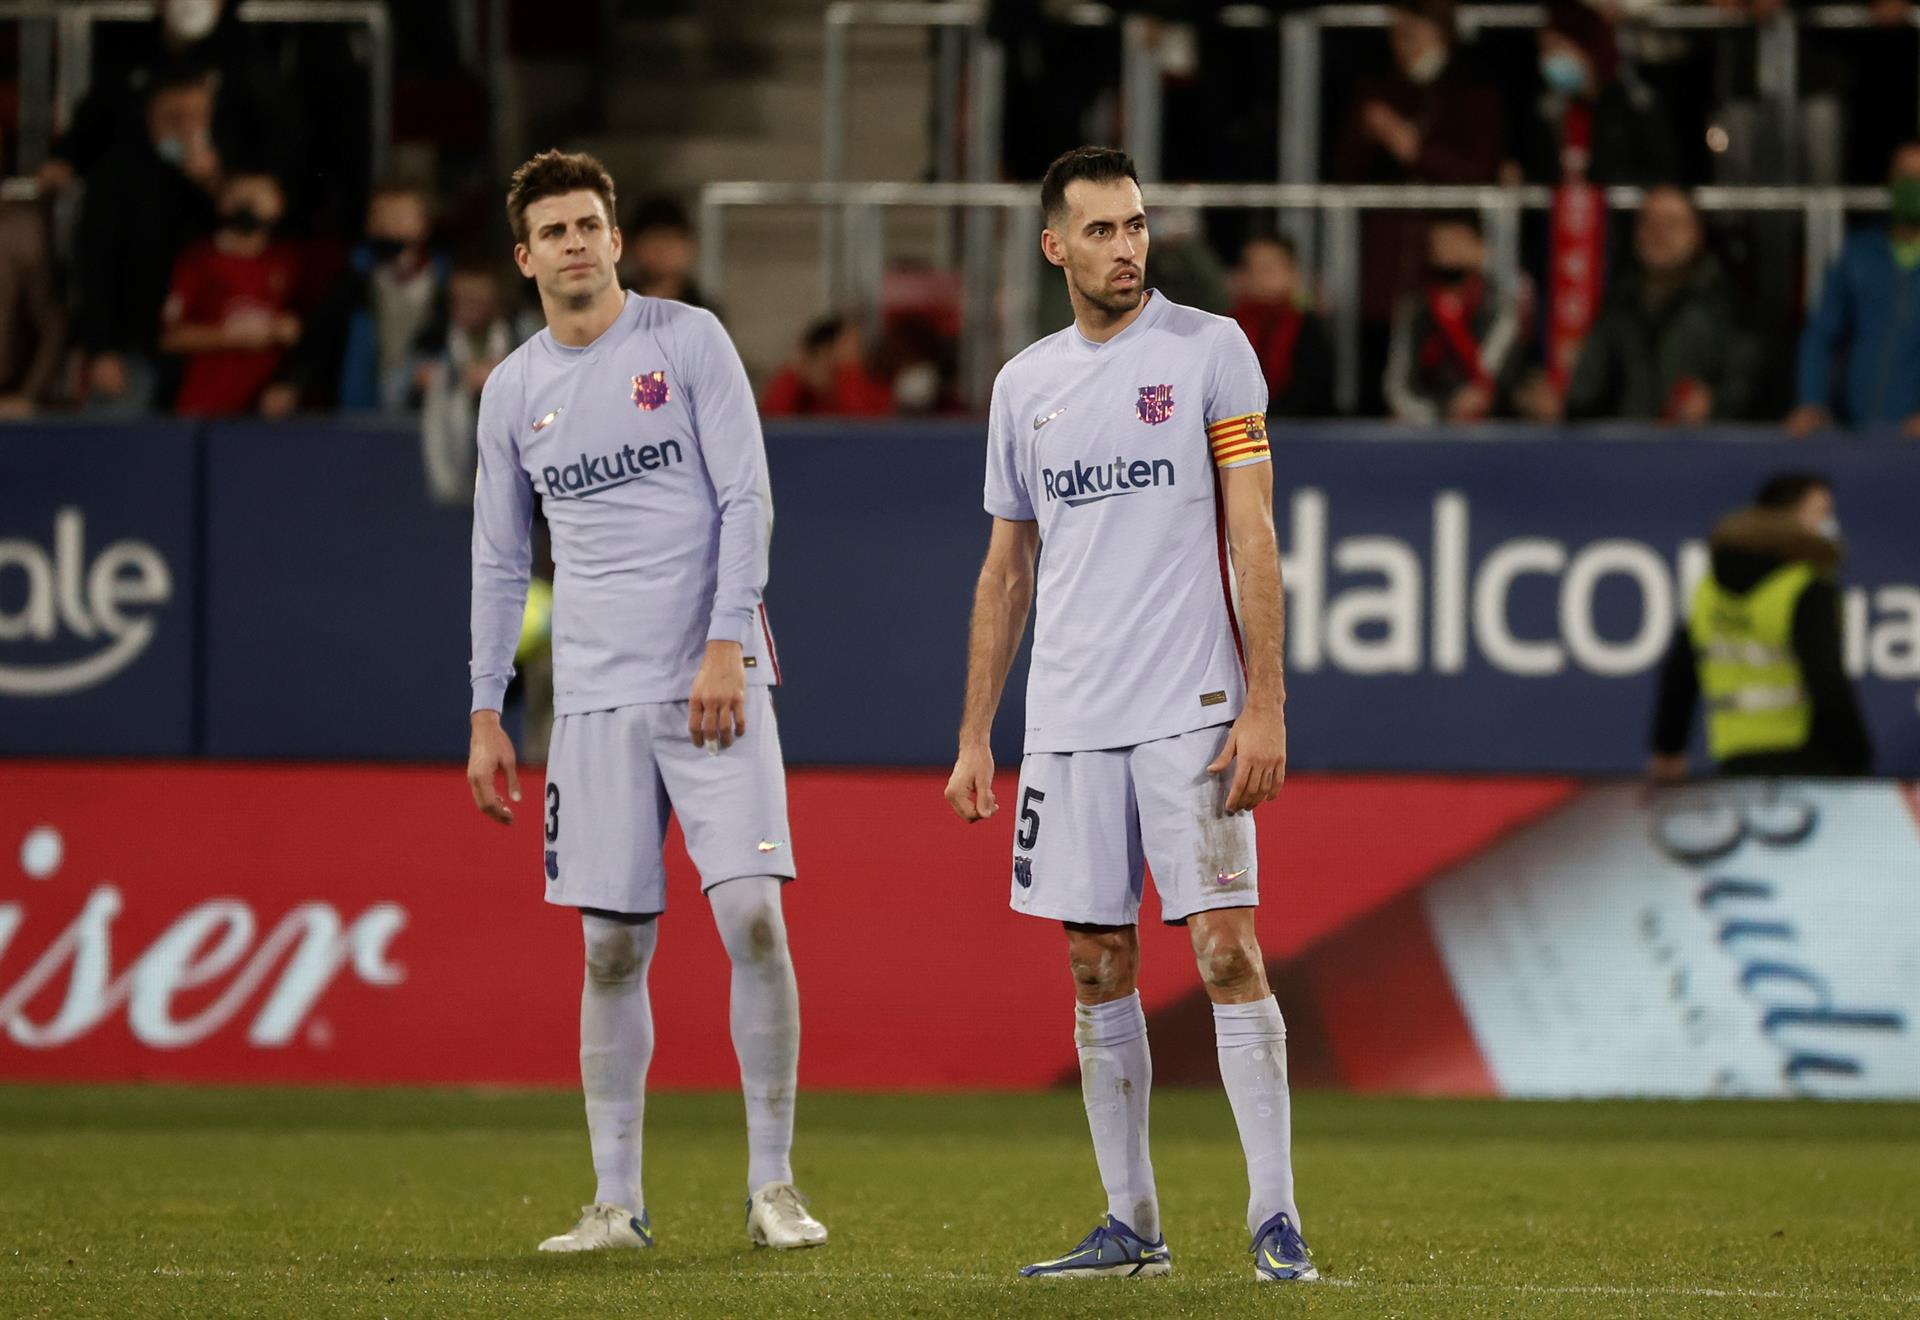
(604, 1227)
(777, 1217)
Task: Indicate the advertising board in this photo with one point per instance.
(1484, 936)
(99, 630)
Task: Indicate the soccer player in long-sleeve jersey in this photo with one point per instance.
(1128, 454)
(633, 421)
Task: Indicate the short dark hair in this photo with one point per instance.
(1785, 490)
(554, 174)
(1457, 219)
(179, 77)
(1093, 164)
(1272, 238)
(659, 213)
(823, 331)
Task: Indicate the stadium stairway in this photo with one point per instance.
(730, 89)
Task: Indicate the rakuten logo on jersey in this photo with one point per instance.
(1088, 483)
(598, 472)
(272, 976)
(68, 599)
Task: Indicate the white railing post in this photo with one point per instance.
(1343, 274)
(1140, 94)
(998, 309)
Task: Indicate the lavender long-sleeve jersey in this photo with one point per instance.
(1112, 449)
(645, 446)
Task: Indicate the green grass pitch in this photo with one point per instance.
(161, 1201)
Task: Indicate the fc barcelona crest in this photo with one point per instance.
(1023, 872)
(1156, 403)
(651, 391)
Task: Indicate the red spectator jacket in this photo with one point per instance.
(211, 287)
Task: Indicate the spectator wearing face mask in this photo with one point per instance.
(917, 364)
(1426, 120)
(470, 337)
(1860, 351)
(1457, 343)
(145, 202)
(230, 313)
(1288, 338)
(361, 358)
(199, 38)
(1594, 121)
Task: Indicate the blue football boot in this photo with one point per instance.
(1280, 1254)
(1111, 1251)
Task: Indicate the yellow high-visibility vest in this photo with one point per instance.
(1755, 691)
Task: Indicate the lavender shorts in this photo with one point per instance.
(613, 776)
(1087, 826)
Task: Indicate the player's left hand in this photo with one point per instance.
(717, 706)
(1257, 750)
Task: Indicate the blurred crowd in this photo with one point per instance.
(225, 252)
(216, 270)
(1665, 315)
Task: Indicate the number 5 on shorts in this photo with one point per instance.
(1029, 833)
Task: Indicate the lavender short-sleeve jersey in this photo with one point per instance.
(645, 448)
(1112, 448)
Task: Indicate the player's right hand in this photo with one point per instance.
(490, 752)
(970, 789)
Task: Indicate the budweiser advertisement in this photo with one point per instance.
(236, 923)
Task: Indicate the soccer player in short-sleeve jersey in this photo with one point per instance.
(1132, 502)
(632, 420)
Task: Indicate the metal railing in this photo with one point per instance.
(958, 23)
(56, 58)
(1001, 296)
(1776, 74)
(969, 82)
(1301, 41)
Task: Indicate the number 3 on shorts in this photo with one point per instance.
(1029, 833)
(553, 812)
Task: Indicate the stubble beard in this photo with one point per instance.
(579, 300)
(1116, 303)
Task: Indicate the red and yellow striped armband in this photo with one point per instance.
(1236, 440)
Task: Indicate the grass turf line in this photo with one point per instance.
(187, 1202)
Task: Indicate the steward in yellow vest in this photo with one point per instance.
(1761, 647)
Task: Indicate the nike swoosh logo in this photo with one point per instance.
(1276, 1264)
(1228, 877)
(1039, 422)
(767, 846)
(546, 421)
